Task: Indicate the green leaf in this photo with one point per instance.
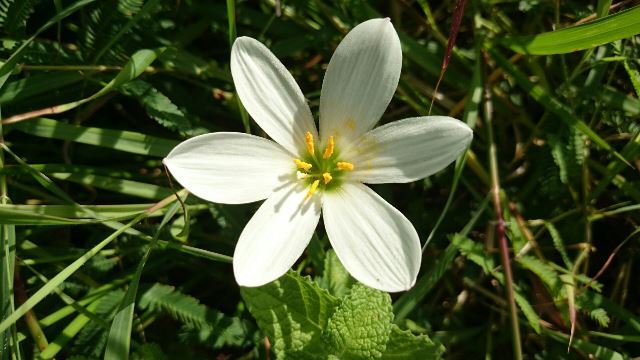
(68, 333)
(558, 243)
(33, 86)
(126, 141)
(404, 345)
(604, 30)
(158, 106)
(543, 271)
(293, 312)
(360, 326)
(61, 277)
(600, 315)
(335, 278)
(304, 321)
(119, 340)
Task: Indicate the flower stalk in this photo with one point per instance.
(500, 226)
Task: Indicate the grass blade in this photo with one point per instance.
(127, 141)
(604, 30)
(119, 340)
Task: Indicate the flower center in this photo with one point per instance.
(324, 172)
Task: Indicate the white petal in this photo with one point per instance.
(276, 236)
(374, 241)
(270, 94)
(360, 81)
(408, 150)
(230, 168)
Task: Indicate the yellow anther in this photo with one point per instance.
(302, 165)
(308, 138)
(327, 178)
(329, 150)
(312, 189)
(343, 165)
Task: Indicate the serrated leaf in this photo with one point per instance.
(405, 345)
(335, 278)
(360, 326)
(293, 312)
(157, 105)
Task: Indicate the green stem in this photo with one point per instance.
(500, 227)
(231, 16)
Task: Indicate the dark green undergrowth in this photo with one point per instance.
(93, 94)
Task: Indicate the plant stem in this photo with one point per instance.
(500, 226)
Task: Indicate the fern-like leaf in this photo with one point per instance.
(158, 106)
(202, 325)
(14, 15)
(92, 340)
(600, 316)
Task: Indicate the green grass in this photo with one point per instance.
(94, 93)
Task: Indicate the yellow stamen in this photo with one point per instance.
(312, 189)
(343, 165)
(308, 138)
(327, 178)
(329, 150)
(302, 165)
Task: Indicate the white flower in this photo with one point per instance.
(301, 173)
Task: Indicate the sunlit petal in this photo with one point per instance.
(276, 236)
(360, 81)
(270, 94)
(229, 168)
(372, 239)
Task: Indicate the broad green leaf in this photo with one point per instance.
(126, 141)
(304, 321)
(404, 345)
(604, 30)
(360, 326)
(563, 112)
(293, 312)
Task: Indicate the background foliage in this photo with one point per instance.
(94, 93)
